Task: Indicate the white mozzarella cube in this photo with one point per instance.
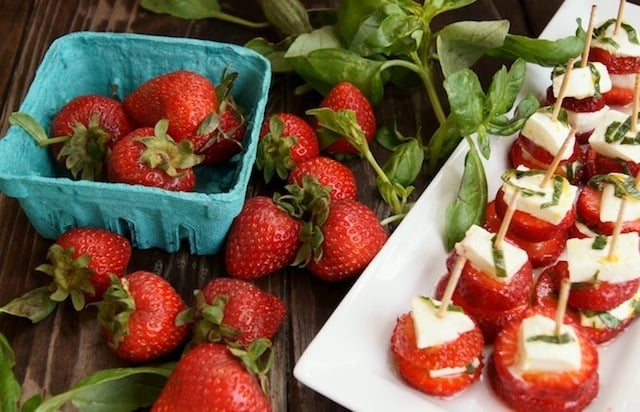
(549, 134)
(617, 43)
(626, 310)
(586, 263)
(477, 247)
(584, 81)
(598, 140)
(540, 200)
(585, 121)
(536, 353)
(610, 204)
(432, 329)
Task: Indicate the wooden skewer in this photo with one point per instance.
(587, 43)
(451, 285)
(619, 17)
(563, 90)
(562, 305)
(558, 157)
(617, 228)
(636, 105)
(506, 220)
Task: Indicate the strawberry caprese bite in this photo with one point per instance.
(615, 44)
(542, 139)
(583, 98)
(543, 208)
(437, 348)
(539, 364)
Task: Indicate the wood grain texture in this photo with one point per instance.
(56, 353)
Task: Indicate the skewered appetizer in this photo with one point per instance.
(540, 141)
(439, 352)
(605, 285)
(583, 98)
(537, 366)
(495, 283)
(615, 44)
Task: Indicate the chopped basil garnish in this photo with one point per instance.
(498, 262)
(599, 242)
(450, 308)
(606, 318)
(471, 369)
(555, 339)
(624, 185)
(511, 176)
(600, 33)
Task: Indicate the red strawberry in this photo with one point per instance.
(346, 96)
(588, 212)
(150, 157)
(615, 64)
(597, 164)
(542, 391)
(228, 124)
(212, 378)
(352, 237)
(138, 317)
(184, 98)
(285, 141)
(414, 364)
(572, 169)
(328, 172)
(243, 312)
(81, 261)
(82, 133)
(263, 238)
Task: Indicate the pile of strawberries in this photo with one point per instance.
(154, 137)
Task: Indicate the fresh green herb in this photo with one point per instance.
(600, 33)
(599, 242)
(558, 186)
(471, 368)
(498, 262)
(450, 308)
(624, 184)
(559, 339)
(618, 132)
(10, 390)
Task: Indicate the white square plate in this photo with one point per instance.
(349, 361)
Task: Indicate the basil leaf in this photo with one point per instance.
(555, 339)
(503, 126)
(469, 206)
(405, 163)
(466, 100)
(184, 9)
(119, 389)
(273, 52)
(351, 13)
(389, 137)
(434, 7)
(461, 44)
(10, 390)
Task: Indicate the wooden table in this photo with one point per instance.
(56, 353)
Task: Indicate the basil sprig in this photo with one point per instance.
(624, 185)
(559, 339)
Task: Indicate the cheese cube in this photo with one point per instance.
(584, 81)
(614, 42)
(586, 263)
(539, 201)
(433, 330)
(536, 353)
(585, 121)
(477, 247)
(548, 134)
(615, 150)
(626, 310)
(610, 203)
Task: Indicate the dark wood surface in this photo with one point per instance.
(56, 353)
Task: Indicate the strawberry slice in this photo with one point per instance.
(529, 227)
(588, 211)
(586, 105)
(618, 96)
(490, 321)
(519, 156)
(481, 290)
(414, 364)
(546, 294)
(541, 253)
(596, 296)
(542, 391)
(597, 164)
(615, 64)
(544, 156)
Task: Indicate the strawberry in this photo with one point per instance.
(414, 364)
(597, 164)
(285, 141)
(571, 168)
(328, 172)
(588, 212)
(542, 391)
(263, 238)
(138, 316)
(235, 311)
(184, 98)
(81, 261)
(346, 96)
(541, 253)
(616, 64)
(82, 133)
(150, 157)
(352, 237)
(211, 377)
(228, 125)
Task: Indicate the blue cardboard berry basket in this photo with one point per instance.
(88, 62)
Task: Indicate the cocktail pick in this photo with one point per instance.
(451, 285)
(587, 43)
(561, 309)
(563, 90)
(619, 17)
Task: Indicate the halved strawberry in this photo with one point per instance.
(615, 64)
(597, 295)
(530, 227)
(541, 253)
(414, 364)
(546, 294)
(519, 156)
(490, 321)
(588, 211)
(544, 156)
(542, 391)
(597, 164)
(481, 290)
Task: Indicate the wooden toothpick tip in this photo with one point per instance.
(506, 220)
(587, 43)
(636, 105)
(451, 285)
(563, 89)
(561, 309)
(619, 16)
